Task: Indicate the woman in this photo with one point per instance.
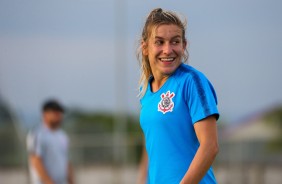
(178, 107)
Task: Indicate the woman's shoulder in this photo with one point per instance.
(186, 72)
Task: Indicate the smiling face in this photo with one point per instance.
(164, 49)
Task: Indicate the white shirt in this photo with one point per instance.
(52, 147)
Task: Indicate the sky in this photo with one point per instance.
(83, 52)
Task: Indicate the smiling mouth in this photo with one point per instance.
(167, 59)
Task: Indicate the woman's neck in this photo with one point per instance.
(158, 82)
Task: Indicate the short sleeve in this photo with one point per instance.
(201, 98)
(34, 144)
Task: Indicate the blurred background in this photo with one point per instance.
(83, 53)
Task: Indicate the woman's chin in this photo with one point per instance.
(169, 70)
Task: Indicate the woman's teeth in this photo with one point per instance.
(166, 59)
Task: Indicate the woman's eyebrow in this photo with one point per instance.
(161, 38)
(158, 37)
(176, 37)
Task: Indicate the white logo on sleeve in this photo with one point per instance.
(166, 104)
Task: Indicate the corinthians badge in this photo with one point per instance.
(166, 104)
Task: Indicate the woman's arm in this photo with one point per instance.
(143, 168)
(206, 132)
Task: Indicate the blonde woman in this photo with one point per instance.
(178, 107)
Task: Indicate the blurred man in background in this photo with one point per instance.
(48, 148)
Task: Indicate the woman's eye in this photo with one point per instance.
(175, 42)
(158, 42)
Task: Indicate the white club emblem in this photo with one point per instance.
(166, 104)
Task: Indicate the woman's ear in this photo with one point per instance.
(144, 47)
(184, 44)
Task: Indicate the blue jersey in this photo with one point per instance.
(167, 118)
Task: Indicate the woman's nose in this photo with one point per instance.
(167, 49)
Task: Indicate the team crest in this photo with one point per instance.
(166, 104)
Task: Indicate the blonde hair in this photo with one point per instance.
(156, 18)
